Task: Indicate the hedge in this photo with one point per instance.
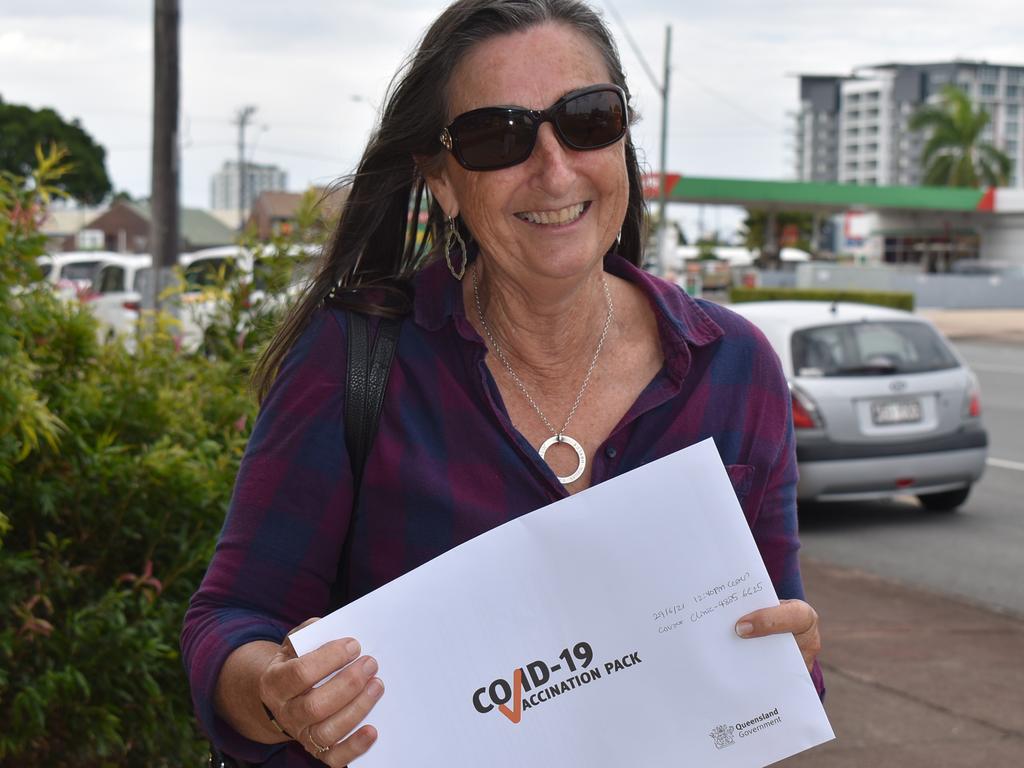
(115, 472)
(894, 299)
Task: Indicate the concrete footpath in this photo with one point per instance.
(914, 679)
(998, 325)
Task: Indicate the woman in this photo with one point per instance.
(537, 360)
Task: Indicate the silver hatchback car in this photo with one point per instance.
(882, 403)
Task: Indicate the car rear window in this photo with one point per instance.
(876, 348)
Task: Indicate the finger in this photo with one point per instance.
(320, 704)
(809, 643)
(289, 678)
(354, 746)
(337, 730)
(790, 616)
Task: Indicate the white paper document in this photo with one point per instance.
(595, 632)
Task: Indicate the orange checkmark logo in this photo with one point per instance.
(516, 713)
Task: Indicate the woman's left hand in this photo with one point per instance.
(794, 616)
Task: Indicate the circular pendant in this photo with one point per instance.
(576, 447)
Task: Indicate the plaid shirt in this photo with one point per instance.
(448, 465)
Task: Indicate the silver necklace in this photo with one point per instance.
(558, 435)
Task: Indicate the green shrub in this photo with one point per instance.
(892, 299)
(115, 471)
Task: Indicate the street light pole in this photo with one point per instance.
(244, 114)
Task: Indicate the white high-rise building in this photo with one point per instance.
(854, 129)
(224, 186)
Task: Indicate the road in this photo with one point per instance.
(976, 553)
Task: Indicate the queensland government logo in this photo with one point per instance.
(726, 735)
(723, 736)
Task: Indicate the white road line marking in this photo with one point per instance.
(996, 368)
(1005, 464)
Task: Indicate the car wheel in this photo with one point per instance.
(946, 501)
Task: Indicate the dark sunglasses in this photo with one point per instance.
(498, 137)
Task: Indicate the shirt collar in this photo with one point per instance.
(682, 322)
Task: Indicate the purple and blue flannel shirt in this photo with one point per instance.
(448, 465)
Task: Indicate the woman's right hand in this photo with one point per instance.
(323, 720)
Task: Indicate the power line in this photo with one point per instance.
(310, 155)
(659, 87)
(636, 48)
(726, 100)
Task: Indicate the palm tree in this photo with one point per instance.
(954, 155)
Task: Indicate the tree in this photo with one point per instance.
(755, 227)
(22, 129)
(955, 155)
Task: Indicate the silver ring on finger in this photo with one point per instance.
(317, 749)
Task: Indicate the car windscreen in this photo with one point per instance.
(275, 273)
(205, 273)
(870, 348)
(82, 270)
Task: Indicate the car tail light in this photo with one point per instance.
(131, 306)
(974, 408)
(972, 403)
(805, 412)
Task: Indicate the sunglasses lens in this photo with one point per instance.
(497, 137)
(592, 120)
(493, 139)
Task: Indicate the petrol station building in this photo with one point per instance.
(932, 227)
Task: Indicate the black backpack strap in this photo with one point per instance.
(368, 372)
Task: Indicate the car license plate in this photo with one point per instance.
(896, 411)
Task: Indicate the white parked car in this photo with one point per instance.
(119, 287)
(882, 403)
(70, 273)
(205, 270)
(121, 284)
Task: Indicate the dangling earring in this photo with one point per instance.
(451, 234)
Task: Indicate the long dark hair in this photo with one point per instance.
(375, 242)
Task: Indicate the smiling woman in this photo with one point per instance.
(536, 360)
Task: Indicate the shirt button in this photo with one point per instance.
(610, 452)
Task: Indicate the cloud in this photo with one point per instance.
(302, 62)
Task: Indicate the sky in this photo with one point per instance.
(316, 69)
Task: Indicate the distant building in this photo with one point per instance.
(224, 187)
(62, 223)
(275, 213)
(854, 129)
(124, 228)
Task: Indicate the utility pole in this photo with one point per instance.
(242, 120)
(662, 219)
(164, 214)
(663, 90)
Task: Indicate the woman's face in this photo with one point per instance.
(511, 212)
